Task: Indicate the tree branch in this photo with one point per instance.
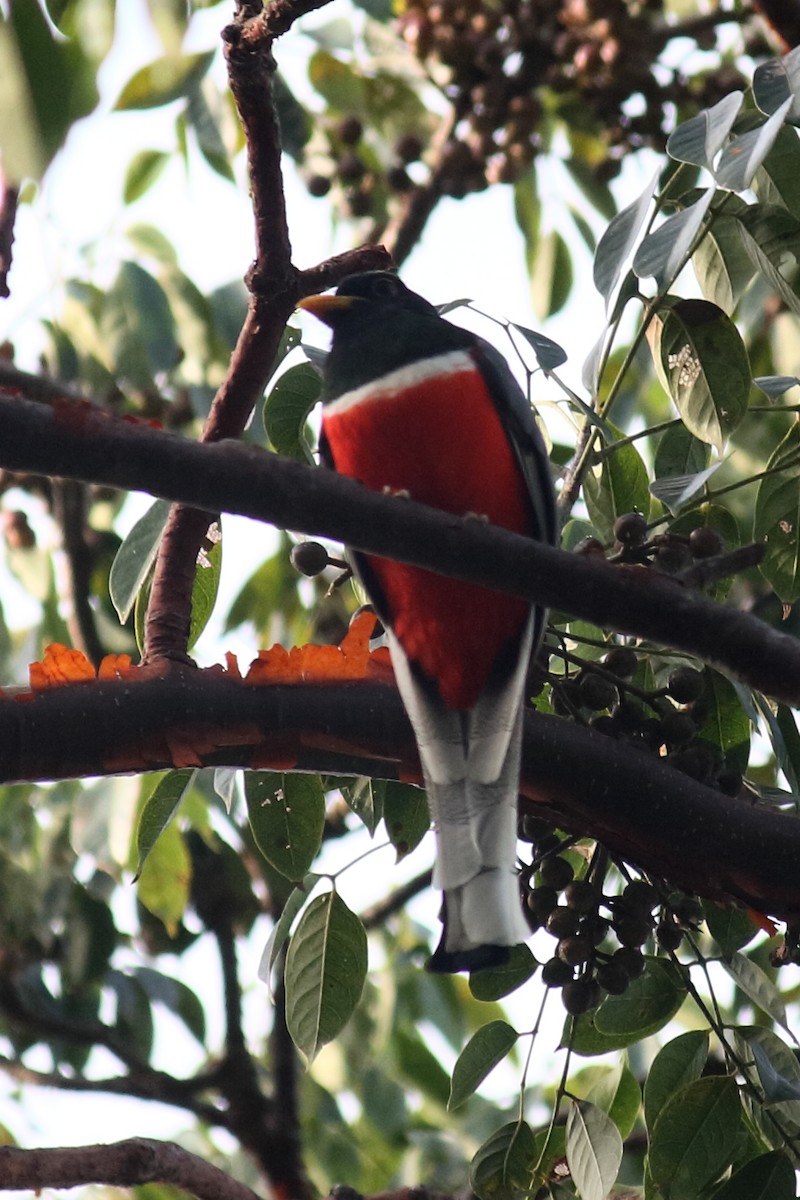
(641, 807)
(121, 1164)
(77, 442)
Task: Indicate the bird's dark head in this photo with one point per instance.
(366, 297)
(378, 326)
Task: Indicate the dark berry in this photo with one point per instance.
(668, 935)
(359, 203)
(729, 781)
(350, 168)
(408, 147)
(629, 716)
(686, 910)
(555, 973)
(309, 558)
(595, 927)
(613, 978)
(630, 529)
(541, 902)
(632, 930)
(591, 547)
(581, 896)
(556, 872)
(605, 725)
(697, 761)
(677, 728)
(546, 844)
(672, 557)
(640, 896)
(705, 542)
(630, 959)
(580, 995)
(685, 685)
(575, 950)
(349, 130)
(562, 922)
(531, 829)
(399, 179)
(318, 185)
(622, 662)
(566, 698)
(597, 692)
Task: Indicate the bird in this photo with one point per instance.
(417, 406)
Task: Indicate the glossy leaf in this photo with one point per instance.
(776, 522)
(176, 997)
(208, 134)
(164, 80)
(723, 267)
(135, 557)
(493, 983)
(621, 486)
(678, 1063)
(702, 362)
(406, 816)
(163, 885)
(365, 797)
(731, 928)
(695, 1137)
(776, 385)
(698, 140)
(679, 490)
(771, 236)
(549, 354)
(757, 985)
(551, 274)
(295, 123)
(648, 1004)
(618, 1094)
(485, 1049)
(679, 453)
(206, 585)
(502, 1166)
(777, 82)
(617, 243)
(326, 966)
(742, 157)
(775, 181)
(594, 1150)
(662, 253)
(767, 1177)
(279, 936)
(287, 816)
(777, 1087)
(287, 407)
(159, 809)
(137, 328)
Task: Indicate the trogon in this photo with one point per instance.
(415, 405)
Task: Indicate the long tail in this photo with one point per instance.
(471, 766)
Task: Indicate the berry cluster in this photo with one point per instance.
(347, 163)
(587, 923)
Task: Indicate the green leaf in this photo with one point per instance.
(206, 585)
(551, 274)
(618, 1094)
(502, 1166)
(767, 1177)
(698, 140)
(325, 971)
(679, 452)
(722, 264)
(775, 181)
(159, 809)
(295, 123)
(287, 407)
(702, 362)
(621, 486)
(406, 816)
(695, 1137)
(165, 878)
(176, 997)
(484, 1050)
(777, 1087)
(134, 1017)
(731, 928)
(777, 518)
(663, 252)
(144, 169)
(677, 492)
(207, 132)
(342, 87)
(493, 983)
(617, 243)
(549, 354)
(135, 557)
(777, 81)
(744, 154)
(365, 797)
(789, 758)
(680, 1062)
(722, 721)
(282, 927)
(649, 1003)
(165, 79)
(594, 1150)
(771, 237)
(420, 1066)
(137, 327)
(287, 817)
(757, 985)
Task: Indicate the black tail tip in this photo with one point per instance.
(478, 958)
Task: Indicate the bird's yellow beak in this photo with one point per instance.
(326, 307)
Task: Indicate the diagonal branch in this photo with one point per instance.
(75, 442)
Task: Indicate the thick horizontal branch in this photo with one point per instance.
(121, 1164)
(80, 443)
(642, 808)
